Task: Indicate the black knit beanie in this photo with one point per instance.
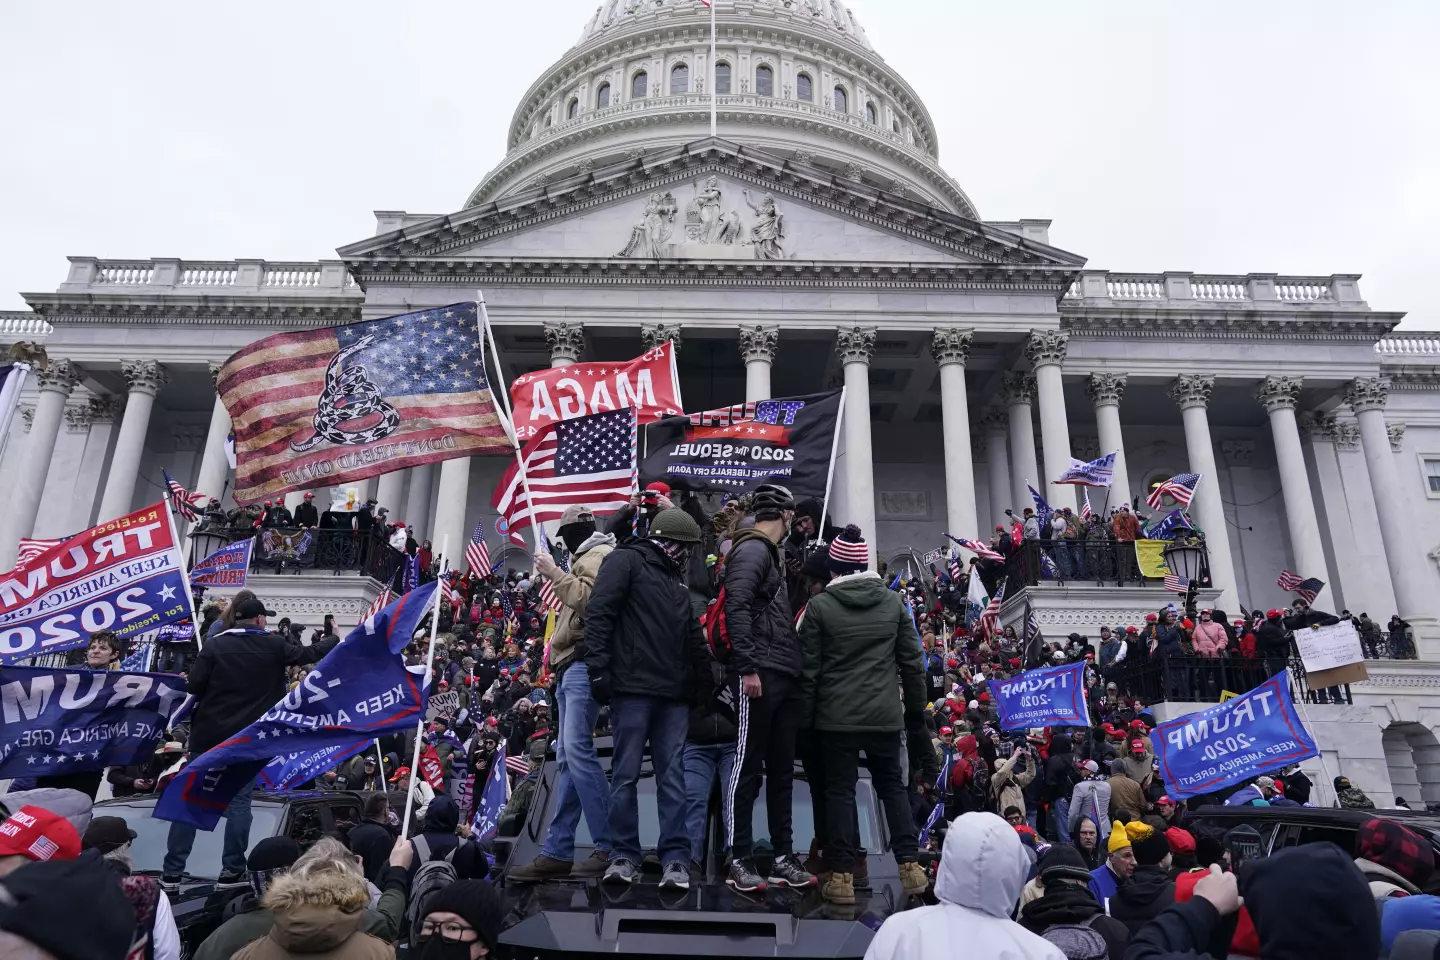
(474, 900)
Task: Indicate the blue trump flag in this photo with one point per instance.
(1043, 511)
(292, 769)
(1096, 473)
(59, 721)
(1052, 697)
(1164, 528)
(226, 567)
(359, 691)
(492, 799)
(1233, 741)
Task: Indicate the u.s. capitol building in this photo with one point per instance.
(815, 241)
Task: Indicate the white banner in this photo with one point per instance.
(1324, 648)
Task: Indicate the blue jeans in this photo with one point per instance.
(663, 723)
(237, 838)
(1061, 810)
(702, 763)
(581, 785)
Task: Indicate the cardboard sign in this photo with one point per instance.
(447, 702)
(932, 557)
(1332, 655)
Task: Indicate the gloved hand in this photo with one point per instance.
(600, 688)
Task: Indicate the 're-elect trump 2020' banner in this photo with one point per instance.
(1226, 744)
(1052, 697)
(126, 575)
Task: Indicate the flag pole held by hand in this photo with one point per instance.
(429, 669)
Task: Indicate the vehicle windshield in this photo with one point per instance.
(147, 850)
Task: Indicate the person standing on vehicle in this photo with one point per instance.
(239, 674)
(766, 659)
(644, 652)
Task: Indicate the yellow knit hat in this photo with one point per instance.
(1119, 840)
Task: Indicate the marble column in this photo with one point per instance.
(997, 464)
(390, 491)
(145, 378)
(1359, 505)
(1046, 350)
(55, 381)
(758, 344)
(214, 467)
(102, 414)
(450, 511)
(1192, 393)
(566, 341)
(1367, 396)
(951, 349)
(1344, 555)
(1017, 393)
(418, 503)
(1106, 390)
(1279, 395)
(855, 346)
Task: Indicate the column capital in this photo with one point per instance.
(143, 376)
(759, 341)
(566, 340)
(105, 409)
(62, 376)
(654, 334)
(1192, 390)
(1105, 389)
(1347, 436)
(951, 345)
(1046, 347)
(1397, 435)
(77, 417)
(214, 367)
(1319, 426)
(855, 344)
(1367, 393)
(994, 422)
(1017, 387)
(1279, 393)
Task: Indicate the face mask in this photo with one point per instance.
(438, 948)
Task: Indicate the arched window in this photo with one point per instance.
(573, 110)
(802, 87)
(869, 113)
(602, 96)
(764, 81)
(680, 78)
(638, 85)
(722, 77)
(841, 103)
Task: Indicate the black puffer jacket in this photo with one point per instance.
(1142, 897)
(757, 607)
(641, 635)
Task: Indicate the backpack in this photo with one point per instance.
(1078, 941)
(712, 621)
(433, 875)
(979, 785)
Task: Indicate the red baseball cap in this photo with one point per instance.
(1151, 618)
(1137, 742)
(946, 731)
(309, 496)
(661, 488)
(1166, 799)
(39, 835)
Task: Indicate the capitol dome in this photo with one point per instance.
(795, 78)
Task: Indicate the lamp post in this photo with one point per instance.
(1185, 557)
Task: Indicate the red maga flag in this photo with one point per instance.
(648, 383)
(330, 406)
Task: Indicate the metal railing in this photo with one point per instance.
(334, 550)
(1101, 562)
(1204, 679)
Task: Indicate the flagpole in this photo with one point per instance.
(426, 685)
(711, 5)
(830, 471)
(1324, 767)
(184, 575)
(509, 422)
(381, 757)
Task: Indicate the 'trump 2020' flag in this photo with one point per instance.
(648, 384)
(788, 441)
(226, 567)
(1096, 473)
(319, 408)
(63, 721)
(492, 799)
(126, 575)
(1233, 741)
(1052, 697)
(360, 690)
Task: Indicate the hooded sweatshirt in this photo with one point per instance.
(317, 914)
(573, 590)
(982, 870)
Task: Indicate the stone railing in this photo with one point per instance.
(271, 278)
(1121, 288)
(1420, 343)
(23, 325)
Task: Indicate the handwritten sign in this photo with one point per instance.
(1325, 648)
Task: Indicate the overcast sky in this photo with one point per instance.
(1281, 137)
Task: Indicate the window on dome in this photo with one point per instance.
(680, 78)
(869, 113)
(602, 96)
(722, 77)
(764, 81)
(573, 110)
(549, 120)
(638, 85)
(841, 102)
(802, 87)
(895, 125)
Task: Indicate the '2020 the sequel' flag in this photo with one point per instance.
(359, 690)
(320, 408)
(56, 721)
(1233, 741)
(789, 441)
(126, 575)
(1052, 697)
(226, 567)
(648, 384)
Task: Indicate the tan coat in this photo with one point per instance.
(573, 591)
(1007, 786)
(317, 918)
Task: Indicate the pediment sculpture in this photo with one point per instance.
(710, 231)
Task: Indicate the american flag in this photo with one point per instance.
(954, 565)
(1085, 512)
(43, 848)
(548, 599)
(587, 460)
(183, 500)
(1181, 489)
(518, 766)
(413, 380)
(31, 548)
(380, 603)
(477, 554)
(1033, 640)
(990, 619)
(982, 550)
(1176, 583)
(1307, 588)
(447, 585)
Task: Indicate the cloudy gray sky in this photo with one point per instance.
(1227, 136)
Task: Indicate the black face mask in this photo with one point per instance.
(574, 534)
(438, 948)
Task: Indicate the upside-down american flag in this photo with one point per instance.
(183, 500)
(1180, 487)
(325, 407)
(589, 460)
(1308, 588)
(477, 555)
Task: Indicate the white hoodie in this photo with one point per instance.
(982, 870)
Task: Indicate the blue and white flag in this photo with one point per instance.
(976, 601)
(292, 769)
(930, 822)
(1043, 513)
(1164, 528)
(1223, 745)
(359, 691)
(1050, 697)
(226, 567)
(492, 799)
(1096, 473)
(55, 721)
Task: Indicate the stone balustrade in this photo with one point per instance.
(1175, 288)
(1418, 343)
(23, 325)
(271, 278)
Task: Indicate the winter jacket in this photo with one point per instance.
(757, 607)
(1060, 773)
(1141, 769)
(1068, 902)
(1008, 786)
(982, 870)
(1208, 639)
(641, 637)
(1385, 882)
(372, 843)
(1091, 798)
(1270, 640)
(1126, 794)
(573, 590)
(854, 638)
(1126, 526)
(1169, 641)
(1148, 891)
(240, 674)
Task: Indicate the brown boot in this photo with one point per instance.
(816, 863)
(592, 866)
(913, 879)
(541, 868)
(840, 888)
